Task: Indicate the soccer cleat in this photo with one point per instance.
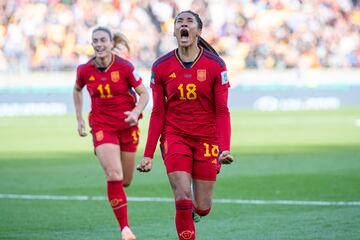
(126, 234)
(196, 217)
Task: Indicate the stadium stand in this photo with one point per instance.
(53, 35)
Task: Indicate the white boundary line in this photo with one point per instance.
(154, 199)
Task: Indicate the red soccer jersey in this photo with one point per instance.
(189, 101)
(111, 92)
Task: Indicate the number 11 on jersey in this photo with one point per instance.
(107, 89)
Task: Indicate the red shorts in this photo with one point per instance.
(197, 157)
(127, 139)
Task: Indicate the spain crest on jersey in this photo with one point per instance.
(115, 76)
(99, 135)
(201, 75)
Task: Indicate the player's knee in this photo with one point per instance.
(112, 175)
(183, 195)
(181, 190)
(203, 212)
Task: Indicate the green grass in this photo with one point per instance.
(311, 155)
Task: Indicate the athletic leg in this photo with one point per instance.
(180, 182)
(203, 192)
(129, 140)
(109, 156)
(205, 167)
(178, 160)
(128, 166)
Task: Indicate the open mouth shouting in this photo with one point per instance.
(184, 35)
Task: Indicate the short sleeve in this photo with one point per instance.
(134, 77)
(80, 82)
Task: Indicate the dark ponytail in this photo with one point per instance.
(201, 42)
(206, 45)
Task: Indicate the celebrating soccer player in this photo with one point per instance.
(114, 116)
(190, 112)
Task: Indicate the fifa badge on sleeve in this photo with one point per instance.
(152, 79)
(224, 78)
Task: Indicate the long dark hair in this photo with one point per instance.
(201, 41)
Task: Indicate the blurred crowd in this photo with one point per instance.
(273, 34)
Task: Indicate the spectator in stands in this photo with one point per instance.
(275, 34)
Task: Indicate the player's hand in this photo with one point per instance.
(81, 128)
(145, 165)
(225, 157)
(132, 117)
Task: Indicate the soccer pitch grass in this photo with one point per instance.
(303, 156)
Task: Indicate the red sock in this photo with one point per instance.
(118, 201)
(184, 223)
(202, 212)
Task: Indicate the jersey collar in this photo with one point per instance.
(195, 61)
(108, 67)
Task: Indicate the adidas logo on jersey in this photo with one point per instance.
(91, 78)
(173, 75)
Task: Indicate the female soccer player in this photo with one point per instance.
(190, 92)
(114, 116)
